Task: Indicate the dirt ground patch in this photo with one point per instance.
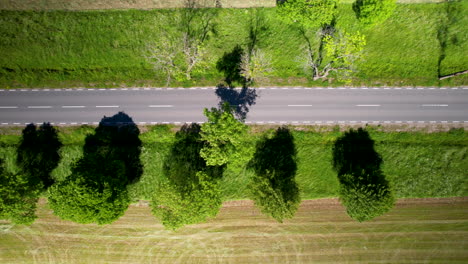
(416, 231)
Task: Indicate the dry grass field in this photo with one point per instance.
(415, 231)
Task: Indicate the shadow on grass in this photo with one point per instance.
(274, 188)
(38, 154)
(117, 139)
(229, 64)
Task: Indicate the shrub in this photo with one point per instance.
(195, 204)
(364, 202)
(274, 188)
(371, 12)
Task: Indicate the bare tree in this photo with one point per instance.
(163, 56)
(337, 52)
(255, 65)
(178, 54)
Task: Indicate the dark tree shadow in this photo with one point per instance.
(240, 100)
(197, 21)
(275, 165)
(116, 139)
(354, 154)
(184, 161)
(229, 64)
(257, 28)
(38, 153)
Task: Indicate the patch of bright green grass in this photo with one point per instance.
(106, 48)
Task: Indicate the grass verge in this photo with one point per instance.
(107, 48)
(417, 164)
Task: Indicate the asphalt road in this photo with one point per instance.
(268, 105)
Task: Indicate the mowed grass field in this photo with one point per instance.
(415, 231)
(108, 48)
(417, 163)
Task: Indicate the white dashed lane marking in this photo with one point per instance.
(156, 106)
(40, 106)
(73, 106)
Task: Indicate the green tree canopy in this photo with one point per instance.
(194, 205)
(273, 188)
(364, 191)
(189, 192)
(371, 12)
(224, 136)
(18, 199)
(307, 13)
(96, 190)
(92, 194)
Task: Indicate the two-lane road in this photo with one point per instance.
(272, 105)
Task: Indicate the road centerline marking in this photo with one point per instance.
(300, 105)
(368, 105)
(155, 106)
(434, 105)
(8, 107)
(73, 106)
(39, 106)
(107, 106)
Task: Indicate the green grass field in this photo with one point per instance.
(417, 164)
(107, 48)
(415, 231)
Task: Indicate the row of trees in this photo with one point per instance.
(189, 192)
(182, 51)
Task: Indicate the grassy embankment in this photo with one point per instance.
(106, 48)
(417, 164)
(415, 231)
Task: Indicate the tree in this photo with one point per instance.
(189, 192)
(38, 154)
(255, 66)
(18, 199)
(364, 191)
(195, 204)
(372, 12)
(365, 201)
(307, 13)
(92, 194)
(273, 188)
(179, 54)
(96, 190)
(224, 137)
(339, 55)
